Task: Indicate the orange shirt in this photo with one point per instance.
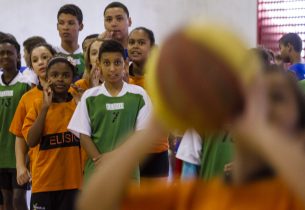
(162, 145)
(57, 161)
(24, 106)
(82, 83)
(214, 195)
(137, 80)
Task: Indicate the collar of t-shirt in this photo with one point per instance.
(121, 93)
(13, 80)
(62, 50)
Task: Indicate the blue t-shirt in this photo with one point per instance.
(299, 69)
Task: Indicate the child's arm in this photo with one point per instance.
(88, 145)
(80, 126)
(284, 153)
(21, 149)
(35, 132)
(112, 176)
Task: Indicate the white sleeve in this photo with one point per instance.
(144, 114)
(80, 121)
(190, 147)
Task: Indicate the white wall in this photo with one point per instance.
(24, 18)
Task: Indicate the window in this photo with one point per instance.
(277, 17)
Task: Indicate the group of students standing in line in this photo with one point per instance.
(50, 121)
(66, 114)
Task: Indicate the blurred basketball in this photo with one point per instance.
(197, 76)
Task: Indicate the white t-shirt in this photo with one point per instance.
(190, 147)
(30, 75)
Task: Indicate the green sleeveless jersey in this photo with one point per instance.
(9, 98)
(108, 120)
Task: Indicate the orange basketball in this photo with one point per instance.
(196, 78)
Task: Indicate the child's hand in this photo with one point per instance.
(23, 175)
(47, 95)
(95, 77)
(228, 167)
(97, 160)
(77, 95)
(107, 35)
(253, 121)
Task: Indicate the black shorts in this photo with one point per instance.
(55, 200)
(8, 180)
(155, 166)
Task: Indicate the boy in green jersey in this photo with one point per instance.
(107, 113)
(12, 86)
(217, 151)
(205, 157)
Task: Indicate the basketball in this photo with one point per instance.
(196, 78)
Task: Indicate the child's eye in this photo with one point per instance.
(119, 18)
(141, 42)
(71, 23)
(106, 63)
(94, 52)
(131, 42)
(117, 63)
(66, 75)
(108, 19)
(54, 75)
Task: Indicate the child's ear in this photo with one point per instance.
(81, 26)
(19, 57)
(129, 22)
(126, 67)
(290, 47)
(126, 63)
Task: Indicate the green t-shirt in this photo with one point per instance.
(216, 153)
(108, 120)
(78, 60)
(9, 98)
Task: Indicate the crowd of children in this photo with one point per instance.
(76, 123)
